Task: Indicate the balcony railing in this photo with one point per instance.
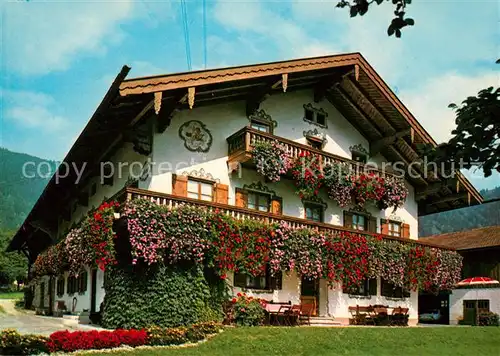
(172, 201)
(240, 146)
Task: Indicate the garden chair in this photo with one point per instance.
(282, 312)
(292, 315)
(354, 314)
(306, 311)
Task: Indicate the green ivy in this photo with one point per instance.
(167, 296)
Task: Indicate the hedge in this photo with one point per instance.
(161, 295)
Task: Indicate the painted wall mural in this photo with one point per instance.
(196, 136)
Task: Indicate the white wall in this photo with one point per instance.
(458, 296)
(287, 109)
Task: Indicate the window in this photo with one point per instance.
(313, 212)
(257, 201)
(315, 116)
(389, 291)
(358, 222)
(82, 282)
(60, 286)
(260, 126)
(265, 281)
(71, 285)
(367, 288)
(200, 190)
(315, 144)
(321, 119)
(394, 228)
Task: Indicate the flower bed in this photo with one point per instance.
(13, 343)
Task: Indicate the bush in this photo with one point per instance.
(167, 296)
(181, 335)
(13, 343)
(488, 319)
(248, 311)
(85, 340)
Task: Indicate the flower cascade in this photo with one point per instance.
(271, 159)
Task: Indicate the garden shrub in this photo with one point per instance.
(13, 343)
(248, 311)
(167, 296)
(488, 319)
(181, 335)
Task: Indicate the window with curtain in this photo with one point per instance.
(200, 190)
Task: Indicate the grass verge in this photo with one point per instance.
(265, 341)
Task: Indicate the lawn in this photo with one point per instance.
(267, 341)
(11, 295)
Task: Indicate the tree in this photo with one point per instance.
(476, 140)
(13, 265)
(361, 7)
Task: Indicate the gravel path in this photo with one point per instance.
(26, 322)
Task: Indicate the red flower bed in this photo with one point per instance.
(85, 340)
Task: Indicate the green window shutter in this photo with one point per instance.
(372, 224)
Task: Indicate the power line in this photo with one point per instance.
(186, 33)
(205, 33)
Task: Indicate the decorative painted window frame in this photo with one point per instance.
(316, 111)
(263, 118)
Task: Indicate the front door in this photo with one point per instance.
(309, 293)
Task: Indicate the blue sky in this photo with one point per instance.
(59, 57)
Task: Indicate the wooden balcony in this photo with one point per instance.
(172, 201)
(240, 146)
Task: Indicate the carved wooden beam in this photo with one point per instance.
(356, 72)
(375, 112)
(284, 81)
(358, 110)
(450, 198)
(157, 101)
(377, 146)
(432, 188)
(191, 91)
(168, 110)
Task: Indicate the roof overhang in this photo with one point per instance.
(346, 80)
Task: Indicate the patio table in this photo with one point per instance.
(276, 310)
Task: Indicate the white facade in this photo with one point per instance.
(170, 156)
(458, 296)
(75, 302)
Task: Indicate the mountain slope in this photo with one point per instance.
(18, 192)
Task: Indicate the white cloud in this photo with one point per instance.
(145, 68)
(33, 110)
(290, 38)
(429, 101)
(40, 37)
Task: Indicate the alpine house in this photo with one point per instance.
(296, 181)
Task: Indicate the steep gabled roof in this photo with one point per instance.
(346, 80)
(466, 240)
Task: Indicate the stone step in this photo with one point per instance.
(323, 321)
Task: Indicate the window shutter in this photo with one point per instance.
(405, 230)
(348, 219)
(179, 185)
(277, 206)
(221, 192)
(240, 280)
(372, 224)
(372, 286)
(384, 227)
(241, 198)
